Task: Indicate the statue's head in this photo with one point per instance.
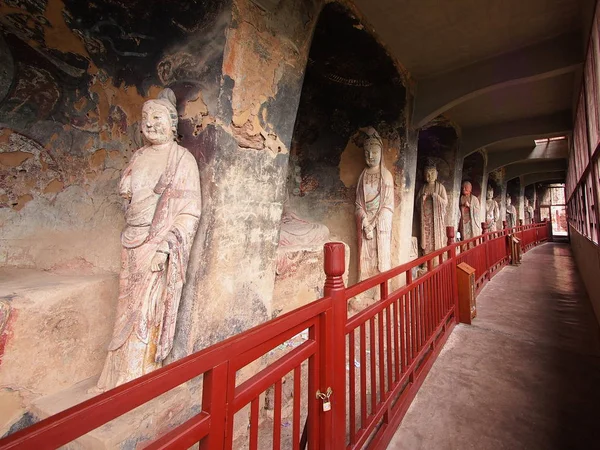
(467, 187)
(526, 200)
(431, 172)
(159, 118)
(490, 193)
(508, 200)
(373, 146)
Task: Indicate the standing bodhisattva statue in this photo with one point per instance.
(432, 201)
(374, 210)
(468, 226)
(162, 186)
(528, 212)
(511, 213)
(492, 210)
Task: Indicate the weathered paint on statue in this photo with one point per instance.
(468, 225)
(511, 213)
(492, 210)
(162, 186)
(432, 202)
(374, 210)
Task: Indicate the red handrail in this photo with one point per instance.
(374, 361)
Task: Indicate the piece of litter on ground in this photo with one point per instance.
(286, 424)
(356, 363)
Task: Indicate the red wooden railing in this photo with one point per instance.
(372, 363)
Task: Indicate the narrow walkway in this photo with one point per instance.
(525, 375)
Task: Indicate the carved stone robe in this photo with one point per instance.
(469, 226)
(164, 220)
(433, 218)
(375, 255)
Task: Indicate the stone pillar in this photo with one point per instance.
(242, 146)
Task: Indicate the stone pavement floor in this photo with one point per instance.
(525, 375)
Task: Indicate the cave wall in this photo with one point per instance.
(74, 79)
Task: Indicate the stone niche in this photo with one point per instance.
(438, 144)
(350, 83)
(474, 171)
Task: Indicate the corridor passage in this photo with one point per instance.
(525, 375)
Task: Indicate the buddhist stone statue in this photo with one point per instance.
(468, 225)
(492, 210)
(511, 213)
(432, 202)
(162, 188)
(374, 210)
(528, 212)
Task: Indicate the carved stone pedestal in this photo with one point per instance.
(54, 330)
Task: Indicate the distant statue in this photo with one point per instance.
(528, 212)
(162, 186)
(468, 225)
(374, 210)
(492, 210)
(511, 213)
(432, 202)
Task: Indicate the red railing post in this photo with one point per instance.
(486, 250)
(450, 234)
(214, 402)
(334, 367)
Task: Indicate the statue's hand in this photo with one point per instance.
(369, 232)
(158, 262)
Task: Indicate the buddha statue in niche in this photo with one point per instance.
(511, 213)
(468, 224)
(374, 210)
(432, 202)
(492, 210)
(162, 187)
(528, 212)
